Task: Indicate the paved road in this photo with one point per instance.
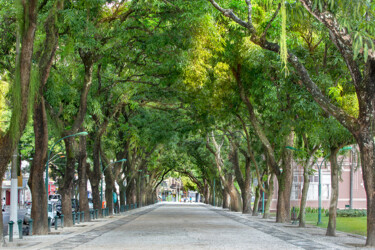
(193, 226)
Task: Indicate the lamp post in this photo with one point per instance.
(49, 154)
(101, 182)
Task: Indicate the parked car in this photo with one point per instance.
(52, 212)
(54, 197)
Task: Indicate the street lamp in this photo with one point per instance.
(49, 154)
(101, 183)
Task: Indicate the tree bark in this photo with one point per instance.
(122, 194)
(66, 188)
(95, 175)
(226, 199)
(82, 179)
(206, 193)
(256, 201)
(243, 182)
(18, 121)
(305, 189)
(367, 149)
(266, 214)
(331, 229)
(235, 197)
(36, 180)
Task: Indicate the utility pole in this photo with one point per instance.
(14, 191)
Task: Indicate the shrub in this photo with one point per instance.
(350, 213)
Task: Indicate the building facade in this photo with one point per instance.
(351, 186)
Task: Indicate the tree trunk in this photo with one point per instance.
(246, 200)
(82, 179)
(122, 194)
(36, 182)
(266, 214)
(285, 183)
(244, 182)
(138, 183)
(281, 213)
(96, 196)
(235, 197)
(367, 149)
(305, 189)
(41, 128)
(66, 188)
(226, 199)
(331, 229)
(1, 213)
(9, 140)
(109, 186)
(206, 193)
(256, 201)
(131, 192)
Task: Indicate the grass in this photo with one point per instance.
(354, 225)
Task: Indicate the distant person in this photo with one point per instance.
(190, 199)
(3, 204)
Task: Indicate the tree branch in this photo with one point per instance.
(229, 13)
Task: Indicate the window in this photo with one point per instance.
(295, 179)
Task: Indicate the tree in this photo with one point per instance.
(343, 26)
(21, 95)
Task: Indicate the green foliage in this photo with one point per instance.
(350, 213)
(283, 47)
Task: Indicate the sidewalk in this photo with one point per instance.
(61, 234)
(179, 225)
(311, 235)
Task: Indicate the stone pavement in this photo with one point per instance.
(187, 226)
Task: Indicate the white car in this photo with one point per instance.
(54, 197)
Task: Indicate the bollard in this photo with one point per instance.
(107, 211)
(103, 215)
(74, 218)
(56, 222)
(131, 206)
(127, 208)
(62, 220)
(10, 231)
(96, 213)
(82, 216)
(30, 226)
(78, 217)
(20, 234)
(135, 205)
(122, 209)
(49, 224)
